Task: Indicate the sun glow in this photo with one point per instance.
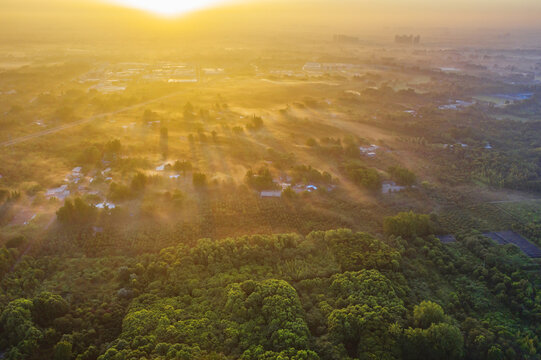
(169, 7)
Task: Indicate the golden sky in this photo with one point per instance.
(170, 7)
(21, 17)
(528, 9)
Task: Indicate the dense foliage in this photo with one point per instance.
(329, 295)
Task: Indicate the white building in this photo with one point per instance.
(312, 66)
(271, 194)
(60, 193)
(388, 187)
(369, 151)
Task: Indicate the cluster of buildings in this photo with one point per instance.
(74, 181)
(487, 146)
(298, 189)
(285, 183)
(62, 192)
(115, 78)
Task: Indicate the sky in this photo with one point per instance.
(44, 18)
(170, 7)
(482, 13)
(181, 6)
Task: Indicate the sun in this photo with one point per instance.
(169, 7)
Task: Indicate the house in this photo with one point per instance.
(270, 194)
(162, 167)
(337, 66)
(302, 188)
(318, 67)
(60, 193)
(213, 71)
(369, 151)
(105, 205)
(311, 66)
(284, 185)
(97, 230)
(388, 187)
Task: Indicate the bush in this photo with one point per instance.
(76, 212)
(261, 180)
(256, 123)
(402, 176)
(182, 166)
(15, 242)
(427, 313)
(119, 192)
(408, 225)
(364, 176)
(311, 142)
(139, 182)
(199, 179)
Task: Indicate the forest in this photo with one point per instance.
(334, 294)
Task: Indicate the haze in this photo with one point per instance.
(270, 180)
(339, 14)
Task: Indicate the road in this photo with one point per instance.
(80, 122)
(512, 201)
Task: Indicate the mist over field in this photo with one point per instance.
(249, 179)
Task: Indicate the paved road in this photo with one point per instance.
(512, 201)
(80, 122)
